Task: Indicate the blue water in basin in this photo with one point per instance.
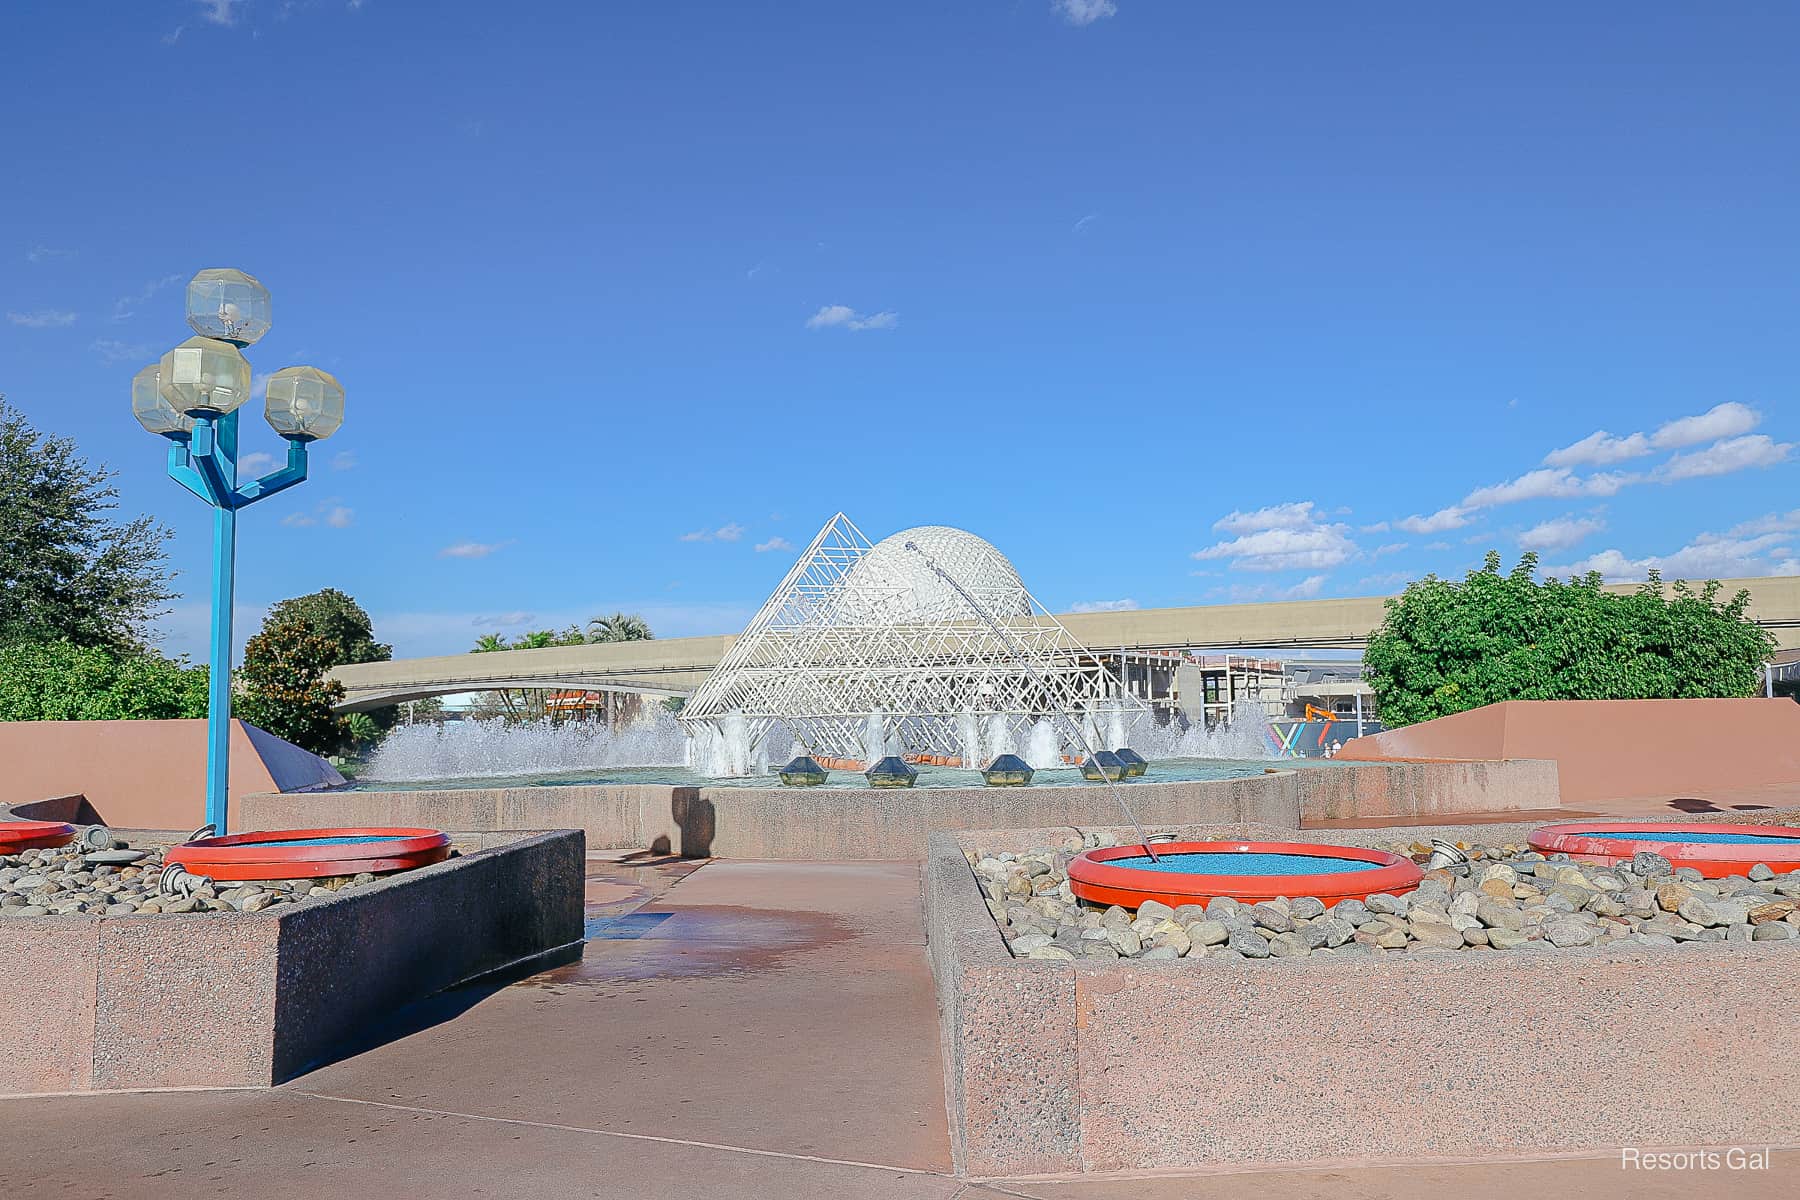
(1734, 839)
(345, 840)
(1231, 862)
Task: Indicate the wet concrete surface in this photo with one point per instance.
(735, 1030)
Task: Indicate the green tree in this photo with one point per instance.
(60, 681)
(340, 620)
(1446, 647)
(68, 570)
(285, 691)
(619, 627)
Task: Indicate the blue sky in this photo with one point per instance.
(1176, 303)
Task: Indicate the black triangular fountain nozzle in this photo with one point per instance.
(1103, 766)
(1007, 770)
(803, 771)
(892, 772)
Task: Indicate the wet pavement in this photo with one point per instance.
(732, 1029)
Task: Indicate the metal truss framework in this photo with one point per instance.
(857, 630)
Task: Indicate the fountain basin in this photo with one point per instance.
(310, 853)
(1714, 848)
(1194, 872)
(29, 835)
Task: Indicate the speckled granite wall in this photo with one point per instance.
(870, 823)
(219, 999)
(1078, 1066)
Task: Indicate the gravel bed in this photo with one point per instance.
(1508, 897)
(59, 881)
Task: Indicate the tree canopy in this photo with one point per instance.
(60, 681)
(338, 619)
(1446, 647)
(70, 571)
(619, 627)
(284, 689)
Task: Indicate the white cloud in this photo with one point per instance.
(1720, 421)
(1389, 548)
(1285, 549)
(1453, 517)
(1377, 527)
(1083, 12)
(1532, 485)
(1306, 589)
(844, 317)
(298, 520)
(470, 549)
(1104, 606)
(255, 463)
(1439, 546)
(730, 532)
(112, 351)
(43, 318)
(1757, 547)
(339, 517)
(1082, 224)
(219, 12)
(127, 306)
(1560, 533)
(343, 460)
(1389, 581)
(774, 543)
(518, 617)
(1599, 448)
(1296, 514)
(41, 253)
(1724, 457)
(1785, 522)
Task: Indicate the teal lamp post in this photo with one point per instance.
(192, 397)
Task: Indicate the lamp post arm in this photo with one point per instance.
(275, 481)
(210, 454)
(181, 468)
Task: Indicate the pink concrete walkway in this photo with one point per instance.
(734, 1030)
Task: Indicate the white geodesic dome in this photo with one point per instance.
(892, 584)
(928, 636)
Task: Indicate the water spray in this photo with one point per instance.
(1038, 677)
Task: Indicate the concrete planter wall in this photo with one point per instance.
(1055, 1067)
(217, 999)
(870, 823)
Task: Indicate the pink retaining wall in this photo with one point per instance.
(95, 1003)
(1615, 749)
(146, 774)
(1100, 1066)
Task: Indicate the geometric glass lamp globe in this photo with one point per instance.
(304, 402)
(229, 305)
(205, 376)
(152, 409)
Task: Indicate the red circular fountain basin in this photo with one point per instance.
(311, 853)
(1713, 848)
(34, 835)
(1194, 872)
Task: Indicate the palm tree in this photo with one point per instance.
(489, 642)
(620, 627)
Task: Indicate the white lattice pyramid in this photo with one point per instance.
(932, 629)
